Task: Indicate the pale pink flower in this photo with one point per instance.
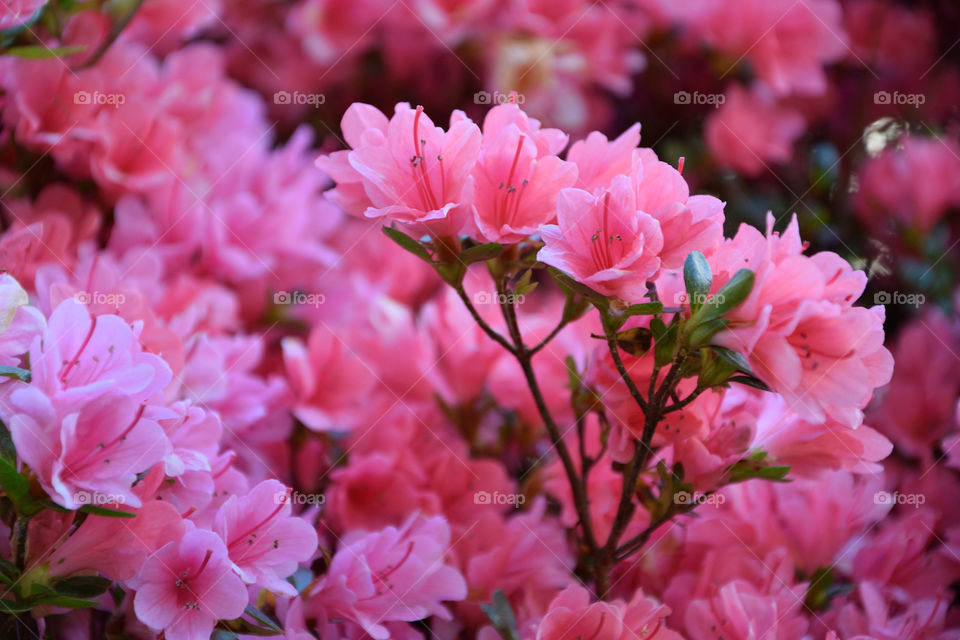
(751, 130)
(415, 172)
(264, 540)
(94, 449)
(395, 574)
(603, 241)
(19, 322)
(186, 586)
(798, 327)
(600, 160)
(571, 615)
(516, 179)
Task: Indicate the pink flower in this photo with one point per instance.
(415, 172)
(516, 179)
(395, 574)
(264, 541)
(786, 42)
(186, 586)
(603, 241)
(889, 187)
(751, 130)
(738, 610)
(571, 616)
(17, 12)
(328, 381)
(799, 329)
(81, 356)
(600, 160)
(95, 448)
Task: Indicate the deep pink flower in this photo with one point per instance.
(572, 616)
(416, 172)
(391, 575)
(264, 541)
(603, 241)
(186, 586)
(516, 179)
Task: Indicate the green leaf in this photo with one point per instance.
(643, 309)
(451, 272)
(67, 602)
(569, 284)
(481, 253)
(15, 372)
(702, 333)
(501, 616)
(262, 619)
(408, 243)
(733, 358)
(524, 287)
(82, 586)
(40, 52)
(754, 467)
(107, 513)
(751, 381)
(9, 573)
(823, 589)
(665, 346)
(729, 296)
(7, 450)
(697, 278)
(11, 606)
(14, 484)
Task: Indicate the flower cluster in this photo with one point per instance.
(374, 319)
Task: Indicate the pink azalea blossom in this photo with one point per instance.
(391, 575)
(604, 241)
(571, 615)
(264, 540)
(186, 586)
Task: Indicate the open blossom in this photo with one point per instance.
(603, 241)
(97, 448)
(571, 616)
(264, 541)
(799, 329)
(516, 180)
(413, 171)
(391, 575)
(19, 322)
(186, 586)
